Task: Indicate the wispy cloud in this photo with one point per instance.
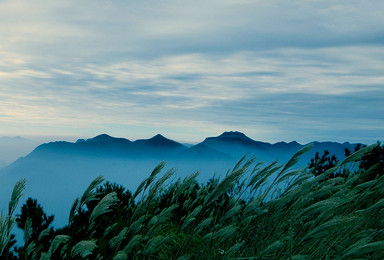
(276, 70)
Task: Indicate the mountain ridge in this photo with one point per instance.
(66, 168)
(228, 145)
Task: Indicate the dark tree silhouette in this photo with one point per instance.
(323, 163)
(373, 158)
(39, 220)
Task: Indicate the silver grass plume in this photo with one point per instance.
(121, 255)
(203, 224)
(295, 158)
(158, 185)
(191, 217)
(187, 182)
(365, 249)
(90, 194)
(44, 233)
(136, 240)
(16, 195)
(224, 233)
(73, 211)
(27, 230)
(31, 248)
(109, 229)
(145, 184)
(154, 244)
(138, 224)
(356, 156)
(116, 241)
(229, 181)
(104, 206)
(57, 242)
(83, 248)
(7, 221)
(161, 218)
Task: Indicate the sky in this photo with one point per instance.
(276, 70)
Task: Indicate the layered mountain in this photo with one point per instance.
(106, 146)
(229, 147)
(12, 148)
(64, 169)
(237, 144)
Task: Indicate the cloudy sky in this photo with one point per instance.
(276, 70)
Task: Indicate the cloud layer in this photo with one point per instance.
(298, 70)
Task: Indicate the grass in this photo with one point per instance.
(254, 212)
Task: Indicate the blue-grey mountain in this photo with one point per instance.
(60, 171)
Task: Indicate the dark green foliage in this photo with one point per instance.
(246, 215)
(7, 221)
(374, 158)
(7, 253)
(34, 222)
(323, 163)
(39, 220)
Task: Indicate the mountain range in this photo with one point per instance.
(58, 172)
(229, 145)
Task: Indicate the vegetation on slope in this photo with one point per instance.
(255, 212)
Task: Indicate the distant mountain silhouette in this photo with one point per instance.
(159, 142)
(232, 139)
(12, 148)
(107, 146)
(237, 144)
(227, 145)
(58, 169)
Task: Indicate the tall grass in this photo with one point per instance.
(254, 212)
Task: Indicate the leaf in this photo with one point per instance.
(16, 195)
(83, 248)
(136, 240)
(116, 241)
(44, 233)
(295, 158)
(145, 184)
(104, 206)
(272, 247)
(57, 241)
(154, 244)
(228, 182)
(7, 221)
(364, 249)
(74, 208)
(121, 255)
(89, 193)
(356, 156)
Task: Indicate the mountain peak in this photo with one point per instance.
(101, 138)
(158, 137)
(160, 140)
(233, 134)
